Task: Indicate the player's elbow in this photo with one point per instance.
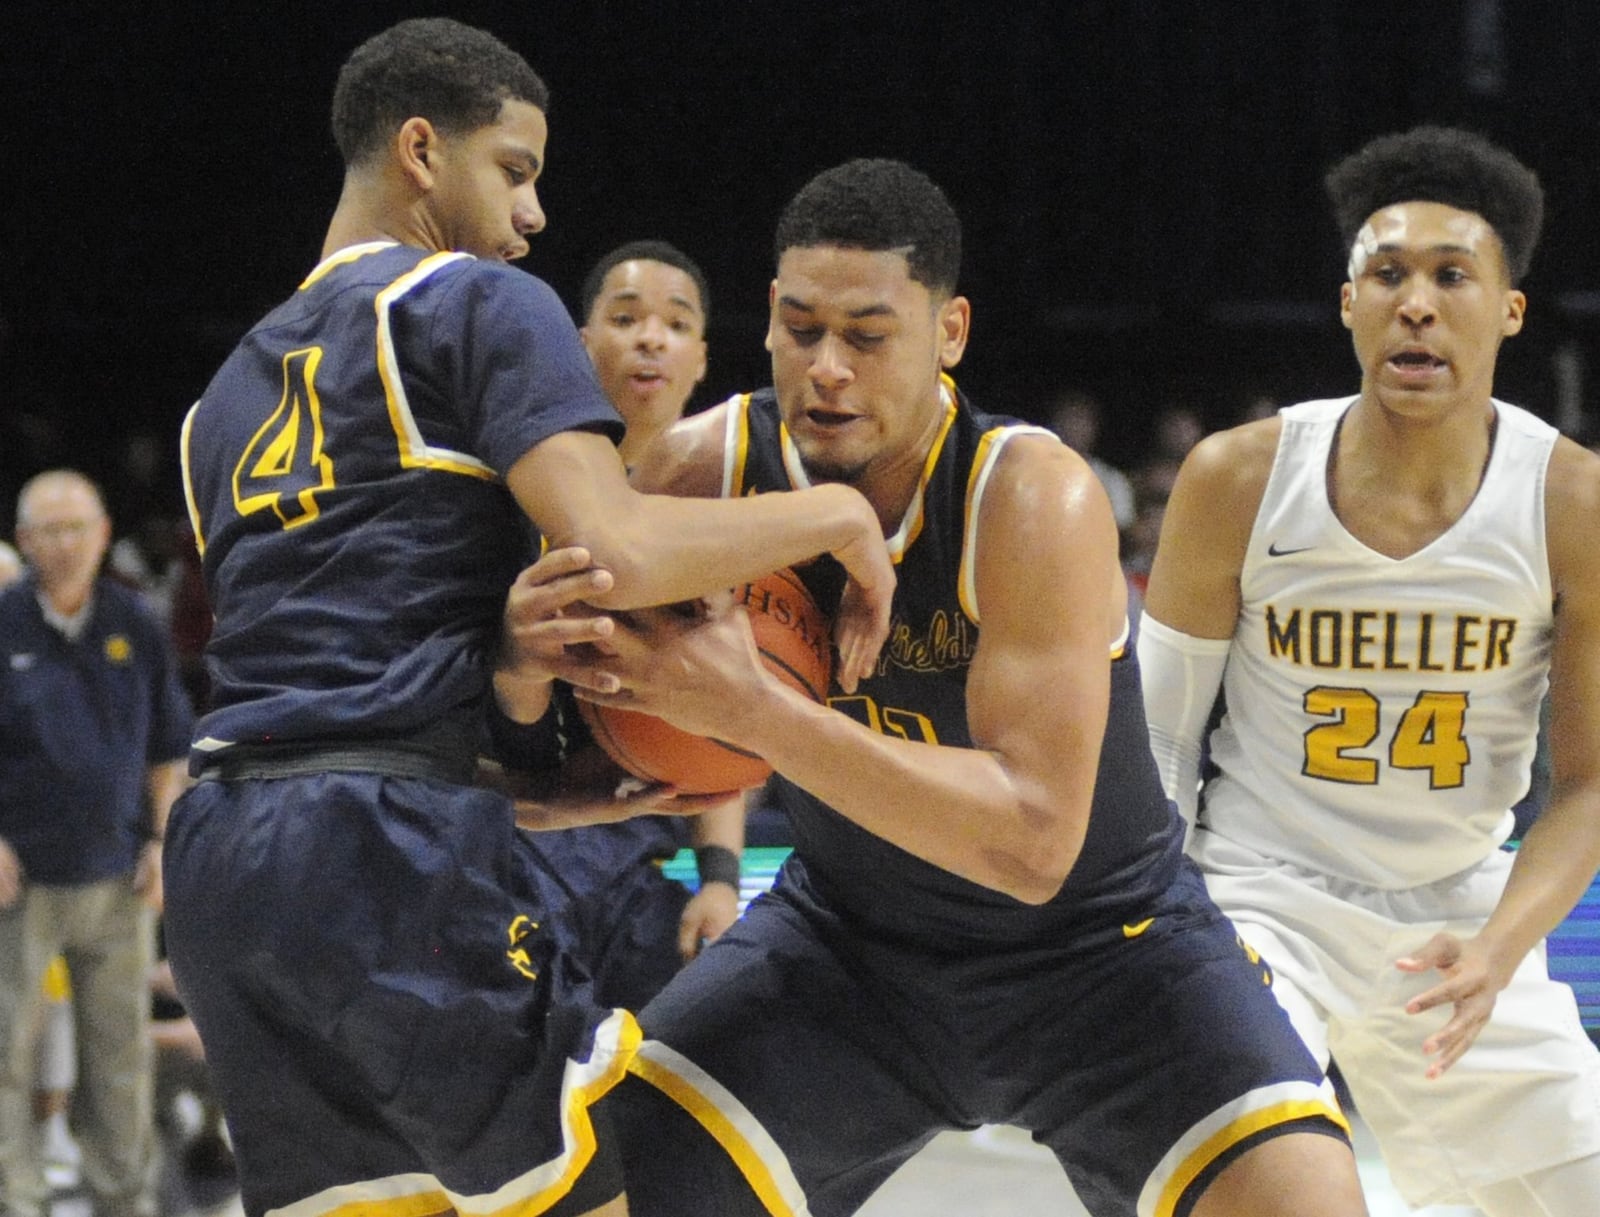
(622, 545)
(1040, 857)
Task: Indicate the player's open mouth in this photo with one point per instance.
(1408, 361)
(829, 418)
(1415, 366)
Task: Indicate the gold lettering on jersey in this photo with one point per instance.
(947, 643)
(521, 926)
(1367, 640)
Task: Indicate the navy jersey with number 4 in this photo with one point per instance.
(344, 478)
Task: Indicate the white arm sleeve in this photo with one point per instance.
(1181, 675)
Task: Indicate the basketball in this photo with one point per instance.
(794, 638)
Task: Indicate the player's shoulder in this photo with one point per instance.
(1236, 461)
(1572, 495)
(688, 458)
(1036, 479)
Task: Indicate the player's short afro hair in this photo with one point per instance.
(878, 205)
(1441, 165)
(455, 76)
(642, 251)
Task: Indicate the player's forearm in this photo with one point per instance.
(965, 810)
(1554, 867)
(721, 825)
(522, 699)
(663, 549)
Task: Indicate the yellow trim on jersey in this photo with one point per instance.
(911, 522)
(1119, 648)
(56, 984)
(415, 452)
(911, 525)
(719, 1112)
(188, 479)
(342, 257)
(616, 1041)
(1168, 1184)
(736, 446)
(988, 455)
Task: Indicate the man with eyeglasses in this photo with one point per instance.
(94, 731)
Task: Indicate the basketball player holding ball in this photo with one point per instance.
(644, 307)
(374, 964)
(987, 917)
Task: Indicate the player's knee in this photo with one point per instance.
(1303, 1173)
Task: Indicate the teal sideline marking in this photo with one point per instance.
(757, 868)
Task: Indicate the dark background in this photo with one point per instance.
(1139, 179)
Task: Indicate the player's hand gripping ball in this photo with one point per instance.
(794, 638)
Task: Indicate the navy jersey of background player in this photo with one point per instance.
(344, 478)
(918, 691)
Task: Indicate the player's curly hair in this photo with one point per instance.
(645, 251)
(1441, 165)
(878, 205)
(455, 76)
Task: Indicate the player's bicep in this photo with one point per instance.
(1572, 504)
(571, 485)
(1050, 592)
(1205, 530)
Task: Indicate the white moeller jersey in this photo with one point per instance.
(1382, 713)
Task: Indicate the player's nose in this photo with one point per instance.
(653, 333)
(830, 367)
(527, 215)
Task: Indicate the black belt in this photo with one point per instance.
(385, 760)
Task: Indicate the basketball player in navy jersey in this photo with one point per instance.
(374, 965)
(644, 307)
(987, 917)
(1383, 585)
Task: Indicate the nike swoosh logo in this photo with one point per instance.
(1274, 552)
(1137, 928)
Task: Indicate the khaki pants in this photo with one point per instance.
(108, 938)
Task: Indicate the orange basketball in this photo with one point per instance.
(794, 638)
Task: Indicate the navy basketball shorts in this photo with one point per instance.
(626, 913)
(1146, 1056)
(387, 1010)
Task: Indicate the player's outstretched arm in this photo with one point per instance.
(1561, 853)
(661, 549)
(1009, 813)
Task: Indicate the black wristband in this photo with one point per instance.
(717, 864)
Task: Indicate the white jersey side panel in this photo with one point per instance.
(1382, 713)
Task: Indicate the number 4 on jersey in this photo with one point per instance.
(283, 467)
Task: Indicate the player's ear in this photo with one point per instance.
(955, 324)
(1516, 309)
(417, 149)
(772, 311)
(1347, 297)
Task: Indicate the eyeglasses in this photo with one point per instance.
(59, 530)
